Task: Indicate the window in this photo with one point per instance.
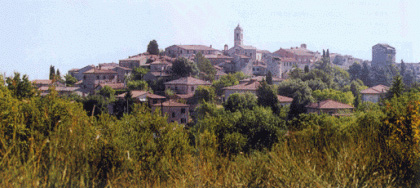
(183, 120)
(182, 110)
(154, 101)
(173, 114)
(84, 77)
(192, 88)
(103, 77)
(97, 77)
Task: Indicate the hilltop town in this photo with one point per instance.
(196, 116)
(182, 69)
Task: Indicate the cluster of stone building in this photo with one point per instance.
(247, 59)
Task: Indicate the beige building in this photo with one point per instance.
(189, 50)
(374, 94)
(96, 76)
(185, 85)
(175, 112)
(302, 55)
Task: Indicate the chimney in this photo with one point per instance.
(211, 46)
(303, 45)
(226, 47)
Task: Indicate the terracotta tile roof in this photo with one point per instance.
(188, 81)
(196, 47)
(100, 71)
(217, 67)
(185, 96)
(251, 86)
(170, 103)
(154, 96)
(135, 57)
(113, 85)
(138, 93)
(375, 90)
(284, 99)
(297, 51)
(44, 82)
(329, 104)
(74, 70)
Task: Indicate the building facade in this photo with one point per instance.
(383, 54)
(189, 50)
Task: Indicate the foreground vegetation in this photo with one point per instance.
(52, 141)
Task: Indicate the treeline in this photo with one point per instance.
(247, 140)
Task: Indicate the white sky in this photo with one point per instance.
(73, 34)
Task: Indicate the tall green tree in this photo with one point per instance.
(70, 80)
(183, 67)
(20, 87)
(397, 88)
(365, 75)
(52, 72)
(138, 73)
(267, 96)
(107, 92)
(355, 71)
(240, 101)
(269, 78)
(204, 65)
(153, 47)
(204, 93)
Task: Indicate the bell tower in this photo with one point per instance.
(238, 36)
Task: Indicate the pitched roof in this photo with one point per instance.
(329, 104)
(284, 99)
(375, 90)
(251, 86)
(297, 51)
(138, 93)
(46, 82)
(170, 103)
(154, 96)
(100, 71)
(196, 47)
(188, 81)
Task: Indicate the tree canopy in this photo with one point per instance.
(153, 47)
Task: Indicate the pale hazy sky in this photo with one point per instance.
(73, 34)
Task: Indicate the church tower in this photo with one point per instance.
(239, 37)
